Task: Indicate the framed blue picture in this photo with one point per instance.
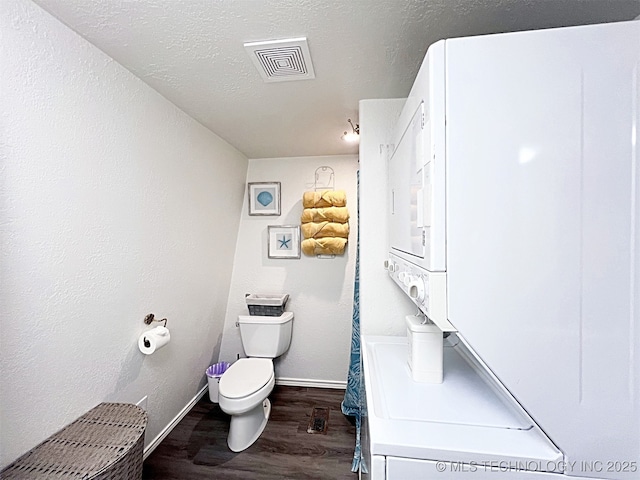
(264, 198)
(283, 241)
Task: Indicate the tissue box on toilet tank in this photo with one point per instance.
(266, 305)
(425, 350)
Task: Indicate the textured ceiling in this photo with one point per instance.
(191, 51)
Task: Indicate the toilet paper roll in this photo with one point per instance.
(153, 339)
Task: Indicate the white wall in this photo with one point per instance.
(115, 204)
(383, 306)
(321, 291)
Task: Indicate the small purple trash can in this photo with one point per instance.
(214, 372)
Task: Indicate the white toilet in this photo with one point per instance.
(245, 386)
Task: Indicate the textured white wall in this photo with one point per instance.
(114, 204)
(383, 306)
(321, 291)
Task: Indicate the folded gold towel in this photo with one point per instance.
(325, 198)
(331, 214)
(325, 229)
(324, 246)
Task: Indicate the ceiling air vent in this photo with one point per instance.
(282, 60)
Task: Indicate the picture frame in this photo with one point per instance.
(283, 241)
(264, 198)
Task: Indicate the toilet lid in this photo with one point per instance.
(246, 376)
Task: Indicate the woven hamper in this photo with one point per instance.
(105, 443)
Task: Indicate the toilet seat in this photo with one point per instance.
(245, 377)
(246, 385)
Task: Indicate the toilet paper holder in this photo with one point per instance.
(151, 318)
(154, 338)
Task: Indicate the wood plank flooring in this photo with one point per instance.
(197, 447)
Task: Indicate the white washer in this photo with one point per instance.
(466, 425)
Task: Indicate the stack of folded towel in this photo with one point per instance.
(324, 221)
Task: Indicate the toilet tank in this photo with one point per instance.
(267, 337)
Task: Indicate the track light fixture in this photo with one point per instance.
(354, 135)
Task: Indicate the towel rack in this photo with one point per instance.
(325, 179)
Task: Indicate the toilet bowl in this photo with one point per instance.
(243, 393)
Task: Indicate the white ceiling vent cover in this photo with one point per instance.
(282, 60)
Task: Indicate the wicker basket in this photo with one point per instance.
(266, 305)
(105, 443)
(266, 310)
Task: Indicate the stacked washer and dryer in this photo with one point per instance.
(514, 227)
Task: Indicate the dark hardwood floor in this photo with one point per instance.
(197, 447)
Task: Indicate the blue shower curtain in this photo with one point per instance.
(351, 405)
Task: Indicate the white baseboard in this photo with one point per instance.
(161, 436)
(305, 382)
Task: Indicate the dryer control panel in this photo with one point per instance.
(428, 290)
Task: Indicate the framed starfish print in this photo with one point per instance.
(283, 241)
